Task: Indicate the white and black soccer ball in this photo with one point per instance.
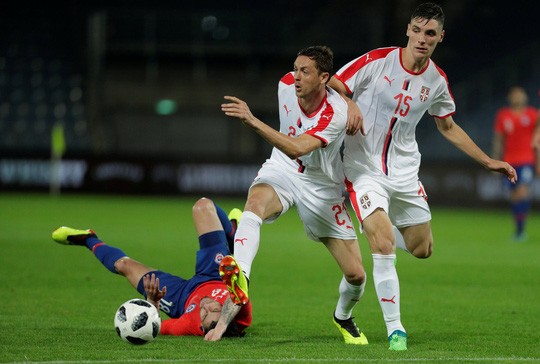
(137, 321)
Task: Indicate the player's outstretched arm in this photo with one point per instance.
(292, 147)
(151, 287)
(457, 136)
(228, 313)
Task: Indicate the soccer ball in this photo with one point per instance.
(137, 321)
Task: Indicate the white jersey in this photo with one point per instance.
(327, 124)
(392, 101)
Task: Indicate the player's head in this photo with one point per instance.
(517, 97)
(428, 11)
(425, 30)
(321, 55)
(210, 311)
(312, 69)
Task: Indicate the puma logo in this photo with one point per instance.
(241, 241)
(389, 80)
(391, 300)
(286, 109)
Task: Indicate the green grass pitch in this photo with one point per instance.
(477, 299)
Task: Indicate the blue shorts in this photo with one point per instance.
(213, 247)
(525, 175)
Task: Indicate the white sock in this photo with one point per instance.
(400, 242)
(386, 283)
(246, 240)
(349, 295)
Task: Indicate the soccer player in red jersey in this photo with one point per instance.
(197, 306)
(514, 129)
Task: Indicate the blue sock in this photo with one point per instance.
(226, 223)
(520, 209)
(107, 255)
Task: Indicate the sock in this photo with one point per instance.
(349, 295)
(107, 255)
(246, 242)
(386, 283)
(520, 210)
(226, 223)
(400, 242)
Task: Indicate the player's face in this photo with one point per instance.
(423, 37)
(517, 97)
(307, 79)
(210, 311)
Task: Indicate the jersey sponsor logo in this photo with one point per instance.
(240, 240)
(424, 93)
(389, 80)
(218, 258)
(390, 300)
(191, 308)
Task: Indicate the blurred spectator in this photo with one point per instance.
(513, 141)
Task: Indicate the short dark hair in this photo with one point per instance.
(429, 11)
(322, 55)
(232, 330)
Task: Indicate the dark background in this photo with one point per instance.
(100, 68)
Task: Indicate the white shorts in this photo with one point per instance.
(405, 203)
(320, 203)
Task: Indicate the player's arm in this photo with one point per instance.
(355, 119)
(457, 136)
(292, 147)
(228, 313)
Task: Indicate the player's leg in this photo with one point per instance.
(410, 212)
(351, 288)
(262, 203)
(520, 200)
(379, 232)
(112, 258)
(416, 239)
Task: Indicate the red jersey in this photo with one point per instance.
(517, 130)
(190, 321)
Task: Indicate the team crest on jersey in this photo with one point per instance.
(365, 202)
(424, 93)
(218, 258)
(191, 308)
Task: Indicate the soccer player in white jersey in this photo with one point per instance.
(393, 88)
(305, 170)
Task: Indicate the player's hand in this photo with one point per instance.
(213, 335)
(237, 108)
(504, 168)
(151, 287)
(355, 119)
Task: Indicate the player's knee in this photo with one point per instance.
(123, 266)
(423, 250)
(356, 277)
(203, 205)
